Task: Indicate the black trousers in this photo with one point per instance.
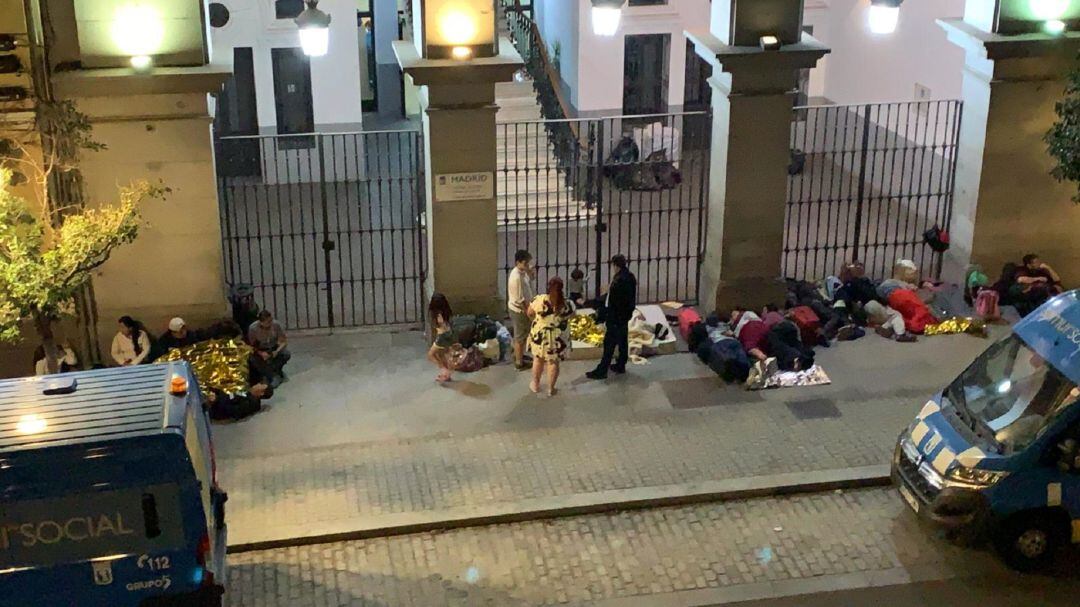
(617, 335)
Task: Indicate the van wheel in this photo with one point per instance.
(1028, 542)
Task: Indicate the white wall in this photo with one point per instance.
(594, 69)
(335, 78)
(559, 21)
(816, 14)
(864, 67)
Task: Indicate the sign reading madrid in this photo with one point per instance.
(464, 186)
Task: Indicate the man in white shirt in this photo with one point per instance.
(519, 294)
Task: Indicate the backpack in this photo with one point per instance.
(688, 317)
(987, 304)
(466, 360)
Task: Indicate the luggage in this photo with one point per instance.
(913, 309)
(466, 360)
(490, 350)
(728, 359)
(987, 304)
(809, 325)
(688, 317)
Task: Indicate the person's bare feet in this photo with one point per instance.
(535, 387)
(552, 391)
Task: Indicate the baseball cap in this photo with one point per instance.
(176, 324)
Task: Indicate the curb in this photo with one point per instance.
(362, 528)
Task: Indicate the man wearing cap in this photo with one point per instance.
(178, 336)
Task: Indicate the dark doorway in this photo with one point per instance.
(369, 67)
(697, 96)
(645, 74)
(237, 114)
(292, 95)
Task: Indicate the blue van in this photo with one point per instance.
(107, 491)
(997, 452)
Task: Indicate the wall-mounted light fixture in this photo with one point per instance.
(314, 30)
(458, 29)
(138, 31)
(606, 15)
(769, 43)
(884, 16)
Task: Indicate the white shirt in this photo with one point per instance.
(123, 349)
(519, 291)
(68, 357)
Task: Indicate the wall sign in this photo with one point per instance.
(464, 186)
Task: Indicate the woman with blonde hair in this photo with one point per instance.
(548, 337)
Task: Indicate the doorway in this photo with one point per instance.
(292, 95)
(369, 71)
(236, 114)
(645, 74)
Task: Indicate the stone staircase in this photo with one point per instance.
(532, 189)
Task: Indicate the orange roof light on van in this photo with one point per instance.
(178, 386)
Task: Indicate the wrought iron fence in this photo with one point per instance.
(637, 185)
(326, 227)
(866, 182)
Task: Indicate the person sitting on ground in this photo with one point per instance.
(131, 344)
(64, 361)
(575, 288)
(1039, 281)
(178, 336)
(268, 340)
(1016, 288)
(443, 338)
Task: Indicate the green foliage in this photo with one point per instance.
(42, 267)
(1063, 139)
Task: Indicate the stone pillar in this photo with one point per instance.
(753, 95)
(1006, 203)
(156, 126)
(460, 164)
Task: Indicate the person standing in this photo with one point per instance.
(519, 292)
(617, 311)
(131, 344)
(548, 339)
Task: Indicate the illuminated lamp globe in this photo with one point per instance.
(314, 30)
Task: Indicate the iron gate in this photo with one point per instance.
(326, 227)
(575, 192)
(866, 182)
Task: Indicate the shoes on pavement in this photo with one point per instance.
(885, 332)
(596, 374)
(617, 370)
(907, 338)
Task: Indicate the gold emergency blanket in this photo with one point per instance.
(956, 325)
(584, 328)
(220, 364)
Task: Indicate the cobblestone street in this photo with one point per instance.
(856, 538)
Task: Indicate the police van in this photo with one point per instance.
(108, 494)
(997, 452)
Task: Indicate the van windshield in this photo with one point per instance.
(1010, 395)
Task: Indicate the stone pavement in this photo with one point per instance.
(706, 554)
(421, 453)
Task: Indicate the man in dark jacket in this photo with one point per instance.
(617, 311)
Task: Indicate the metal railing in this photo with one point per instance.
(866, 182)
(326, 227)
(637, 186)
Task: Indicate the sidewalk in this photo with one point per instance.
(361, 441)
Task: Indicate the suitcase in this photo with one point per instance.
(809, 325)
(688, 317)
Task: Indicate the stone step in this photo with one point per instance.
(519, 113)
(514, 89)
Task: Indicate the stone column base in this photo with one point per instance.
(751, 293)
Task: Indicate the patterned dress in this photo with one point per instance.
(549, 338)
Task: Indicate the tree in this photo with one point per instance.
(42, 268)
(1063, 139)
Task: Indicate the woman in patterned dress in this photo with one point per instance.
(549, 339)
